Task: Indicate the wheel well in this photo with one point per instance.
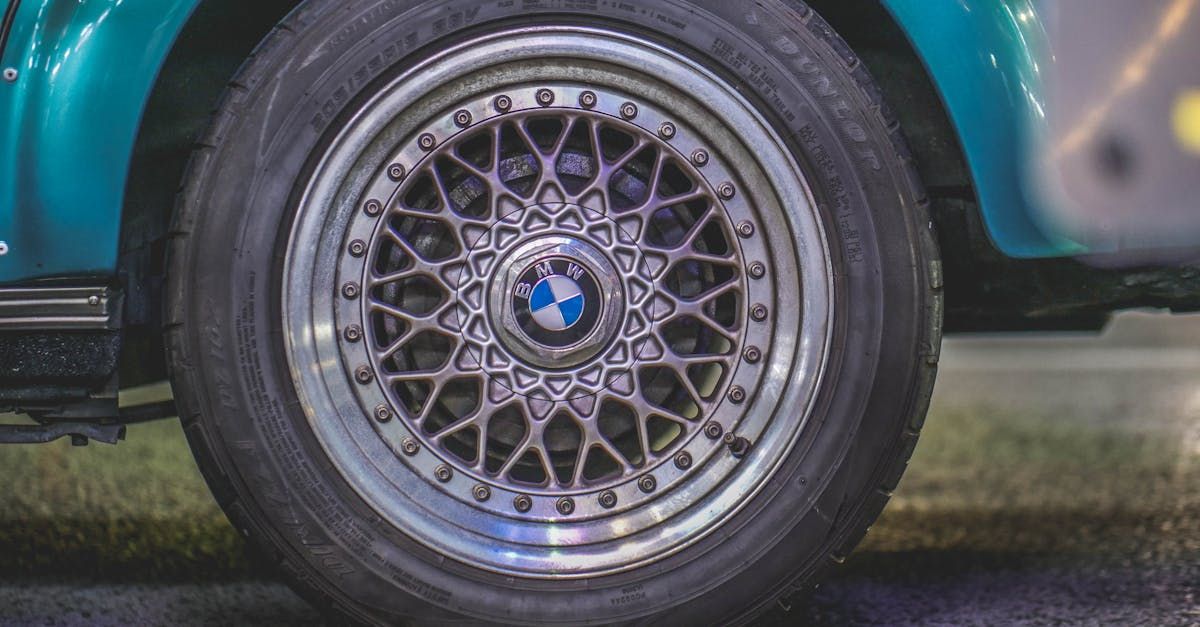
(218, 38)
(985, 289)
(908, 89)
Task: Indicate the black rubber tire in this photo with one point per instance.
(266, 469)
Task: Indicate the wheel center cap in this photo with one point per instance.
(557, 301)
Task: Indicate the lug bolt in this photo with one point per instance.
(350, 291)
(667, 130)
(758, 270)
(545, 97)
(608, 499)
(629, 111)
(522, 503)
(462, 118)
(587, 99)
(565, 506)
(426, 141)
(683, 461)
(647, 484)
(409, 446)
(713, 430)
(745, 229)
(353, 333)
(737, 394)
(752, 354)
(758, 313)
(373, 208)
(700, 158)
(726, 191)
(502, 104)
(443, 473)
(481, 493)
(363, 375)
(358, 248)
(396, 172)
(737, 445)
(383, 413)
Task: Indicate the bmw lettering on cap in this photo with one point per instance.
(557, 302)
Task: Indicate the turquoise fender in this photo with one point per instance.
(984, 57)
(68, 122)
(85, 69)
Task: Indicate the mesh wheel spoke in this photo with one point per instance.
(462, 212)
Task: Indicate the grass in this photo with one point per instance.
(983, 483)
(1016, 490)
(136, 511)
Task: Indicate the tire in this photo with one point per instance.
(714, 404)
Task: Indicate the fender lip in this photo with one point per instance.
(10, 14)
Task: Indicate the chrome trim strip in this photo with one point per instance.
(58, 309)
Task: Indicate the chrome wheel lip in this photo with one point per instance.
(572, 547)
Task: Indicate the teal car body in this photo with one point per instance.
(983, 57)
(83, 71)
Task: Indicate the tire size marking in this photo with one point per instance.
(758, 76)
(822, 85)
(843, 209)
(570, 5)
(629, 595)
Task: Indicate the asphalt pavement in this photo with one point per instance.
(1057, 482)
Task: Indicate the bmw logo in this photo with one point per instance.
(557, 302)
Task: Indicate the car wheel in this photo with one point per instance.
(552, 312)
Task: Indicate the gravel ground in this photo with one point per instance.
(1057, 482)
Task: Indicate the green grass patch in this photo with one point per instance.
(136, 511)
(982, 482)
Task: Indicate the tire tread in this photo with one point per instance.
(850, 527)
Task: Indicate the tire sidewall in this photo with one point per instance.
(253, 438)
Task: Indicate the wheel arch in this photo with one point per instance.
(911, 91)
(980, 92)
(216, 40)
(221, 34)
